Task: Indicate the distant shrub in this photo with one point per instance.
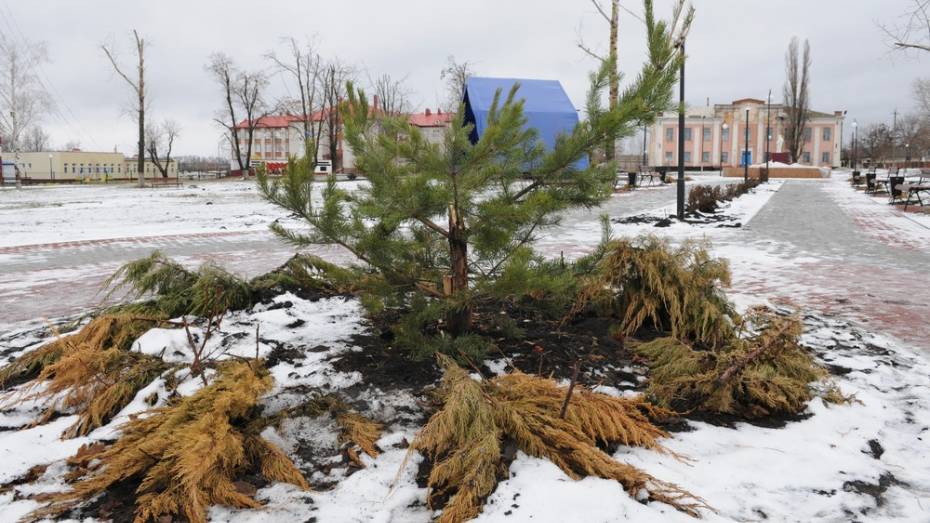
(705, 198)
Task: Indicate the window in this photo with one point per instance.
(66, 168)
(724, 157)
(669, 134)
(827, 134)
(687, 157)
(807, 134)
(726, 134)
(707, 134)
(687, 134)
(705, 157)
(806, 158)
(826, 158)
(668, 157)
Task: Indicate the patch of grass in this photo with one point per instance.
(190, 454)
(464, 438)
(764, 373)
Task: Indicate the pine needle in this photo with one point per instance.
(463, 439)
(117, 331)
(188, 455)
(646, 282)
(763, 374)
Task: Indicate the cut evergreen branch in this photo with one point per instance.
(463, 439)
(110, 331)
(171, 290)
(189, 455)
(705, 198)
(764, 373)
(647, 282)
(438, 220)
(93, 382)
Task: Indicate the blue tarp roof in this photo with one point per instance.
(546, 106)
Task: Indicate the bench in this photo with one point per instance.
(914, 189)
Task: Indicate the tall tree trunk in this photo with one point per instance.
(459, 320)
(614, 79)
(141, 162)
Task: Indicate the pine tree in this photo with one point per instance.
(443, 220)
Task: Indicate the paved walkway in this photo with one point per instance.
(846, 254)
(817, 244)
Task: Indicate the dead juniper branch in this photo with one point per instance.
(188, 455)
(118, 331)
(766, 372)
(355, 429)
(647, 282)
(463, 439)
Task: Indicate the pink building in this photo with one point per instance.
(715, 136)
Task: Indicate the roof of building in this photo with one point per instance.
(430, 119)
(546, 106)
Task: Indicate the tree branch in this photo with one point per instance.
(597, 5)
(429, 223)
(590, 53)
(117, 69)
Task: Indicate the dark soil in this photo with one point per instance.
(876, 490)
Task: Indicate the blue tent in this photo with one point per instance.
(546, 107)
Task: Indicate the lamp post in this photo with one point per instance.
(681, 135)
(907, 157)
(645, 156)
(768, 133)
(746, 150)
(723, 143)
(51, 173)
(855, 145)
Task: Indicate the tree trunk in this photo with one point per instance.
(141, 162)
(459, 320)
(614, 79)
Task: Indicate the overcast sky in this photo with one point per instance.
(736, 50)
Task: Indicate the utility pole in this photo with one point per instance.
(681, 135)
(746, 151)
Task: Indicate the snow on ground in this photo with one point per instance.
(860, 462)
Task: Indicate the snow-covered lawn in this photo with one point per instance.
(866, 461)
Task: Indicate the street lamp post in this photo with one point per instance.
(645, 156)
(855, 145)
(768, 133)
(746, 150)
(51, 173)
(681, 135)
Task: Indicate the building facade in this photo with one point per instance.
(81, 166)
(280, 137)
(715, 136)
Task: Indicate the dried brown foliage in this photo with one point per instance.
(463, 439)
(189, 455)
(647, 282)
(355, 429)
(765, 373)
(109, 331)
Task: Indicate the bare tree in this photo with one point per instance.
(393, 95)
(613, 21)
(797, 70)
(455, 74)
(243, 97)
(303, 65)
(877, 142)
(922, 96)
(139, 90)
(23, 98)
(159, 142)
(913, 31)
(333, 89)
(35, 140)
